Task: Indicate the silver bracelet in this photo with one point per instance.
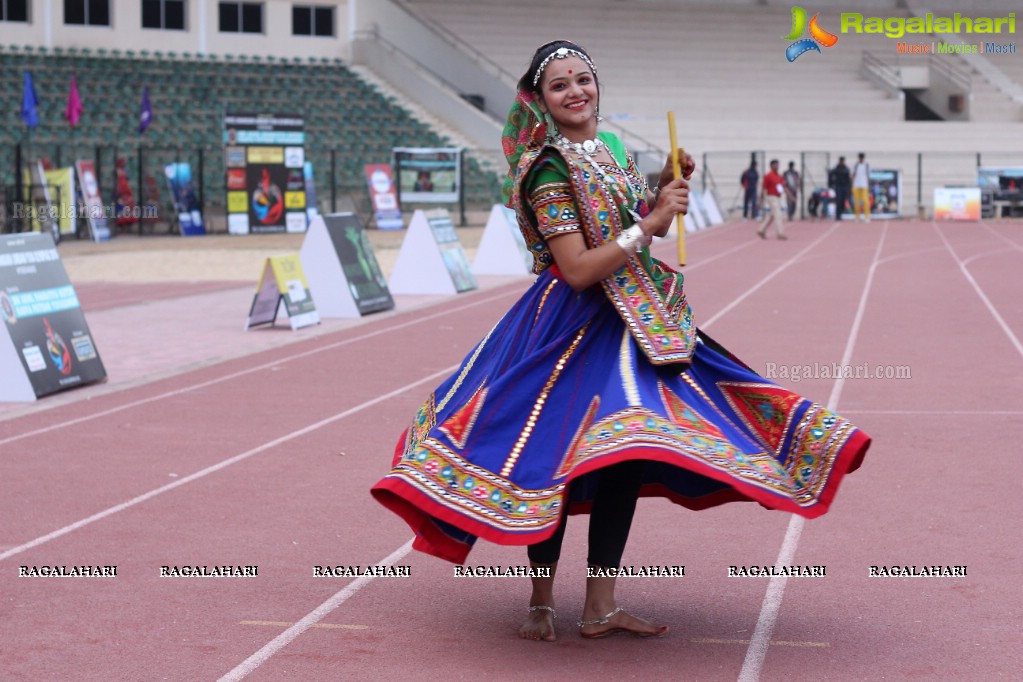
(632, 239)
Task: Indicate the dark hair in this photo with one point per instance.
(774, 162)
(542, 53)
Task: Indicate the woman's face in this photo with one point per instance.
(569, 91)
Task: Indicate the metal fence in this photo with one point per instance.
(339, 181)
(920, 172)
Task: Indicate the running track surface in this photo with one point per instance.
(265, 458)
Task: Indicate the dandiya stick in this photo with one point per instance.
(677, 170)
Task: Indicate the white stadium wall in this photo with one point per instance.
(46, 28)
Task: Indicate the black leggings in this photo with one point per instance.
(614, 504)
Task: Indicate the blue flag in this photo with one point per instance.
(146, 115)
(29, 103)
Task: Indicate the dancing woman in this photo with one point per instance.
(596, 388)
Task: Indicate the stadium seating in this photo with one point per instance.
(189, 96)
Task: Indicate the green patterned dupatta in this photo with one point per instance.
(647, 294)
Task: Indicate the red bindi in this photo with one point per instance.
(570, 72)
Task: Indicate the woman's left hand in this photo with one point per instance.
(667, 174)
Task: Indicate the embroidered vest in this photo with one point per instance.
(647, 294)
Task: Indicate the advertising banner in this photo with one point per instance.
(283, 286)
(380, 180)
(266, 173)
(885, 193)
(186, 201)
(428, 175)
(957, 203)
(45, 344)
(431, 259)
(343, 272)
(95, 211)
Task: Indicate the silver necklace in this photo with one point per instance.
(583, 148)
(631, 202)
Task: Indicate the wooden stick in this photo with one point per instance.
(677, 170)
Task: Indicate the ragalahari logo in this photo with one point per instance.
(818, 36)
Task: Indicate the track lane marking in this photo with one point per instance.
(250, 370)
(963, 268)
(771, 607)
(767, 278)
(110, 511)
(315, 616)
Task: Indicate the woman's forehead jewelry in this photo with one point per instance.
(561, 53)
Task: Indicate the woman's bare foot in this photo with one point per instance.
(539, 626)
(591, 627)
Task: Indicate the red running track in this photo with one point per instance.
(266, 460)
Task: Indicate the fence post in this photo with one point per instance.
(333, 181)
(461, 184)
(202, 187)
(18, 188)
(142, 196)
(920, 185)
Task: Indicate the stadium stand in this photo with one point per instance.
(710, 62)
(342, 113)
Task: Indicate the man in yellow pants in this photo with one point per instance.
(861, 189)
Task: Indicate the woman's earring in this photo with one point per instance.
(552, 128)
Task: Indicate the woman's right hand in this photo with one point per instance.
(672, 200)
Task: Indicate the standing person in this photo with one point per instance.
(774, 189)
(839, 181)
(861, 188)
(596, 388)
(791, 177)
(749, 179)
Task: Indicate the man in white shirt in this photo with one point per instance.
(861, 188)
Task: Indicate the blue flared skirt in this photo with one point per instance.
(558, 389)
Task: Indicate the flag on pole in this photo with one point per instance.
(146, 115)
(74, 105)
(29, 103)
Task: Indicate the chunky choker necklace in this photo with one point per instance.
(584, 148)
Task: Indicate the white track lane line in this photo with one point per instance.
(323, 610)
(1013, 339)
(222, 465)
(761, 639)
(778, 270)
(315, 616)
(250, 370)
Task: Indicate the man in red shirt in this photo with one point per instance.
(774, 188)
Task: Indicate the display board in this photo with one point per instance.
(45, 343)
(341, 268)
(266, 176)
(502, 249)
(885, 195)
(186, 201)
(957, 203)
(95, 211)
(283, 288)
(428, 175)
(384, 196)
(431, 259)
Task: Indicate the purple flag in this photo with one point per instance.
(146, 115)
(29, 103)
(74, 105)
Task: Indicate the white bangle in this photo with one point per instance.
(632, 239)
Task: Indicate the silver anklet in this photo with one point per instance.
(542, 607)
(603, 620)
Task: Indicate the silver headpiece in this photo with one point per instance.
(561, 53)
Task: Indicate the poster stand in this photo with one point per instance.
(502, 250)
(431, 259)
(282, 288)
(45, 343)
(342, 270)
